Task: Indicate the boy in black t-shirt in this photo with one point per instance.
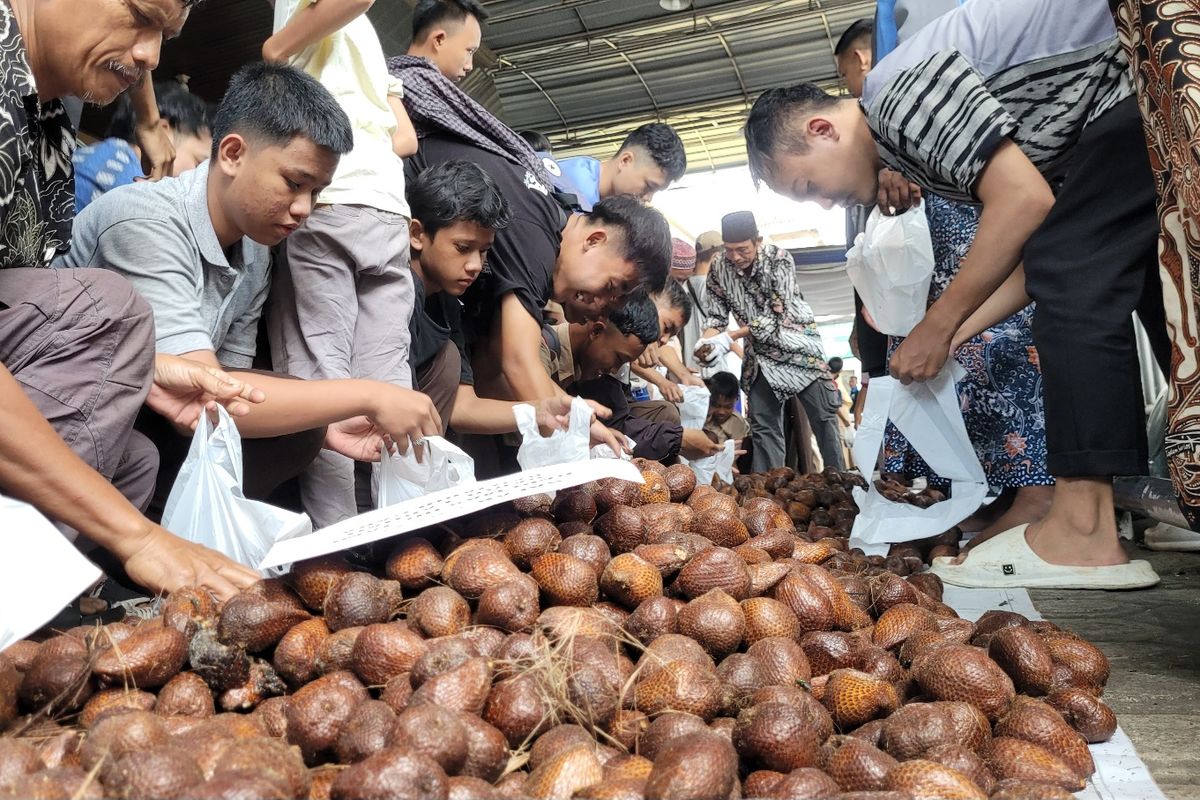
(456, 211)
(588, 263)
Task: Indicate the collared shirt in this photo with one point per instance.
(350, 64)
(37, 187)
(1034, 71)
(784, 341)
(160, 236)
(733, 428)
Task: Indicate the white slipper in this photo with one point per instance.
(1168, 537)
(1006, 561)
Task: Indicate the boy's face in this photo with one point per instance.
(840, 166)
(191, 149)
(670, 318)
(720, 409)
(455, 48)
(606, 350)
(591, 275)
(453, 257)
(274, 187)
(638, 175)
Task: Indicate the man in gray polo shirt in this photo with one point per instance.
(196, 248)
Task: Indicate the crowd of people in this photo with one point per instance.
(351, 255)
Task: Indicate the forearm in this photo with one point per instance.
(311, 25)
(293, 405)
(36, 466)
(404, 139)
(675, 367)
(1010, 298)
(648, 374)
(526, 377)
(474, 414)
(145, 104)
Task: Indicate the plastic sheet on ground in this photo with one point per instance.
(1120, 773)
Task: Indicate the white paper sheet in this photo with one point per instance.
(41, 571)
(447, 504)
(1120, 773)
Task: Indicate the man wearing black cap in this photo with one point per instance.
(756, 282)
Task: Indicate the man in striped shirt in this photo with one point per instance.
(756, 282)
(1025, 107)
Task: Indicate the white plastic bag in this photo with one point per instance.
(402, 477)
(604, 451)
(891, 264)
(929, 416)
(560, 447)
(41, 571)
(693, 411)
(720, 465)
(207, 506)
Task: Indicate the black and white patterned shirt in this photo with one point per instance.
(37, 184)
(784, 342)
(1033, 71)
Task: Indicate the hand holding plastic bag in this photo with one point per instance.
(402, 477)
(604, 451)
(891, 265)
(929, 416)
(693, 411)
(207, 505)
(560, 447)
(719, 465)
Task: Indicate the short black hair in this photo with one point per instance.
(456, 190)
(636, 316)
(431, 13)
(183, 111)
(278, 103)
(537, 140)
(861, 29)
(723, 385)
(677, 297)
(767, 126)
(645, 237)
(664, 146)
(835, 364)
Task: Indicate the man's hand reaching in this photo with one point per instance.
(183, 389)
(162, 562)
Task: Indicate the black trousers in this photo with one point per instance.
(1089, 267)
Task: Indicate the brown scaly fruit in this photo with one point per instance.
(1086, 713)
(414, 563)
(150, 657)
(187, 609)
(477, 564)
(830, 650)
(654, 488)
(1025, 657)
(666, 557)
(460, 787)
(394, 774)
(17, 757)
(928, 780)
(666, 728)
(764, 577)
(295, 657)
(512, 605)
(715, 568)
(899, 622)
(357, 599)
(463, 688)
(1087, 663)
(1027, 790)
(573, 505)
(565, 580)
(531, 538)
(782, 661)
(365, 732)
(812, 608)
(185, 695)
(439, 611)
(957, 757)
(109, 701)
(630, 580)
(434, 732)
(273, 713)
(1017, 759)
(698, 766)
(671, 647)
(564, 774)
(915, 728)
(681, 482)
(722, 526)
(487, 749)
(113, 737)
(165, 772)
(777, 736)
(61, 782)
(1035, 721)
(517, 707)
(715, 620)
(58, 676)
(270, 758)
(318, 711)
(256, 622)
(588, 547)
(335, 651)
(766, 618)
(221, 666)
(680, 686)
(962, 672)
(383, 651)
(806, 782)
(854, 698)
(760, 783)
(653, 618)
(621, 528)
(857, 765)
(313, 578)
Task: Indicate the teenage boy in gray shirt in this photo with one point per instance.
(196, 248)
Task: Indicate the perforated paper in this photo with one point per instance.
(447, 504)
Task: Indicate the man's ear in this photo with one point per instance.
(596, 329)
(437, 39)
(864, 60)
(231, 154)
(821, 128)
(626, 158)
(596, 238)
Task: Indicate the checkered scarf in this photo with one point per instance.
(435, 104)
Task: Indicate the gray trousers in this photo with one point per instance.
(766, 424)
(340, 305)
(81, 344)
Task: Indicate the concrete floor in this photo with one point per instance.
(1152, 638)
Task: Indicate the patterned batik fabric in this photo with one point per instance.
(1162, 44)
(37, 187)
(1001, 396)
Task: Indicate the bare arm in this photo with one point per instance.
(1010, 298)
(312, 24)
(37, 466)
(1016, 199)
(404, 140)
(520, 336)
(150, 130)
